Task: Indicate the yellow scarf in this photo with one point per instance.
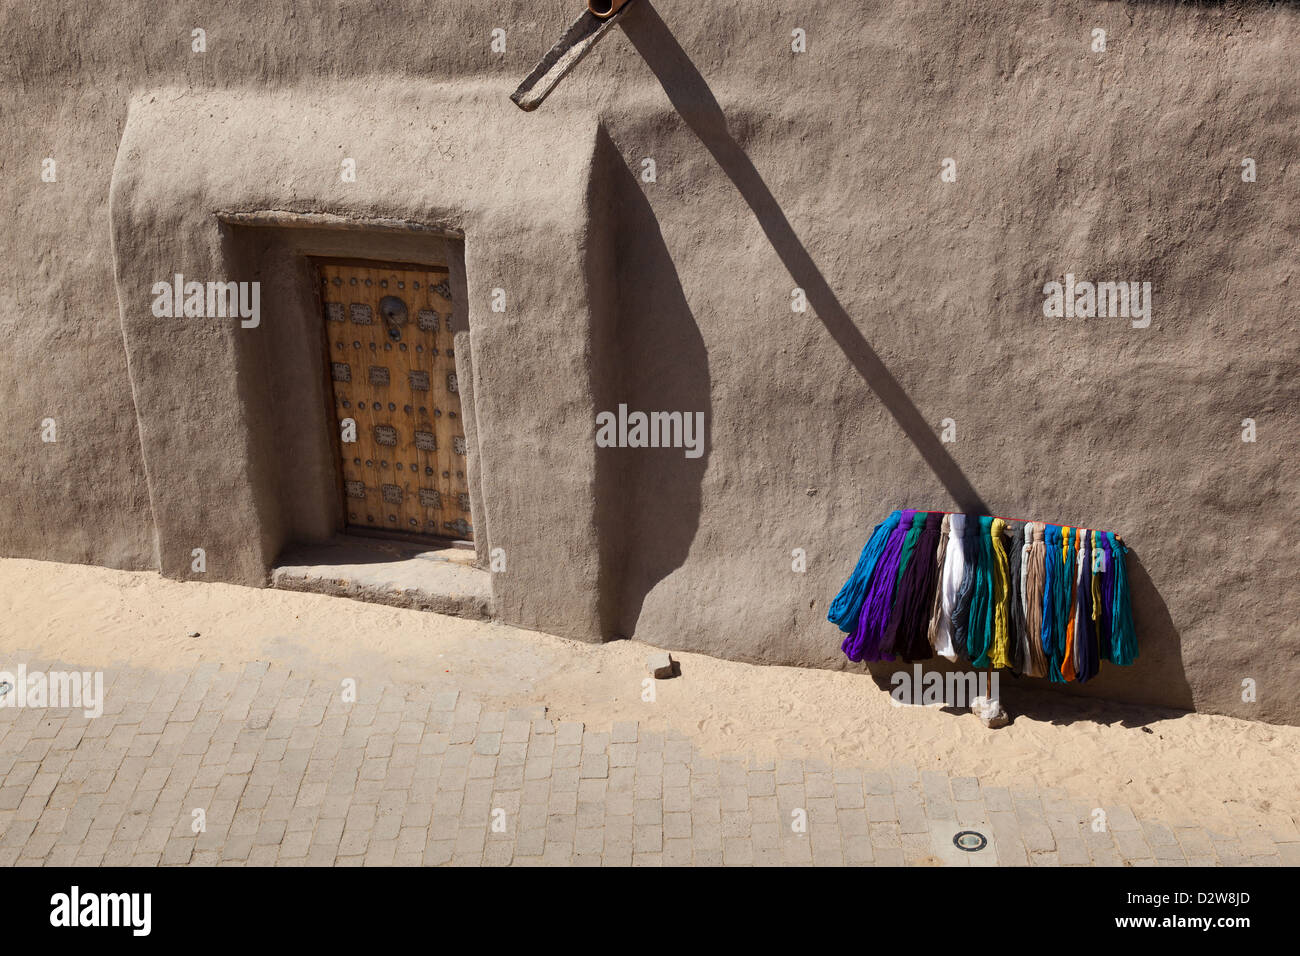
(1000, 654)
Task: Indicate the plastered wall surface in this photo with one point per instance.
(773, 170)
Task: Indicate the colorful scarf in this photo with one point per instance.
(906, 636)
(936, 606)
(1000, 650)
(1123, 636)
(864, 642)
(979, 633)
(848, 603)
(1082, 643)
(1065, 605)
(1053, 571)
(970, 548)
(954, 572)
(1016, 608)
(1031, 573)
(1106, 574)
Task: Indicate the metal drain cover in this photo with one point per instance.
(970, 841)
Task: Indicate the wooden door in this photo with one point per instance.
(392, 366)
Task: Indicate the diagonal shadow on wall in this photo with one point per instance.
(694, 101)
(690, 95)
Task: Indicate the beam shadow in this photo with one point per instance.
(694, 101)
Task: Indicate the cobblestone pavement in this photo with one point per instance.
(286, 772)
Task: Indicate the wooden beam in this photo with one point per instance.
(564, 56)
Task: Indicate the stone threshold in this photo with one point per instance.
(395, 573)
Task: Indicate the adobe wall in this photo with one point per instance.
(819, 170)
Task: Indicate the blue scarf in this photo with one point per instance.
(848, 603)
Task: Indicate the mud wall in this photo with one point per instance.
(822, 170)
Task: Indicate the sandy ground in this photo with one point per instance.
(1211, 770)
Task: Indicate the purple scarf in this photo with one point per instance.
(907, 634)
(1107, 601)
(864, 642)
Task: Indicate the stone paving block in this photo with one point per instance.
(912, 820)
(764, 809)
(1037, 837)
(1168, 852)
(762, 783)
(796, 850)
(651, 787)
(593, 789)
(858, 850)
(1010, 852)
(734, 772)
(564, 779)
(821, 809)
(886, 835)
(532, 712)
(1230, 852)
(677, 776)
(649, 763)
(568, 732)
(590, 814)
(881, 808)
(878, 783)
(917, 850)
(647, 839)
(622, 755)
(516, 731)
(790, 772)
(1072, 852)
(594, 765)
(737, 851)
(850, 822)
(964, 789)
(938, 809)
(905, 775)
(619, 802)
(1121, 818)
(677, 852)
(970, 813)
(564, 801)
(766, 835)
(997, 798)
(737, 824)
(819, 784)
(788, 796)
(1131, 844)
(849, 796)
